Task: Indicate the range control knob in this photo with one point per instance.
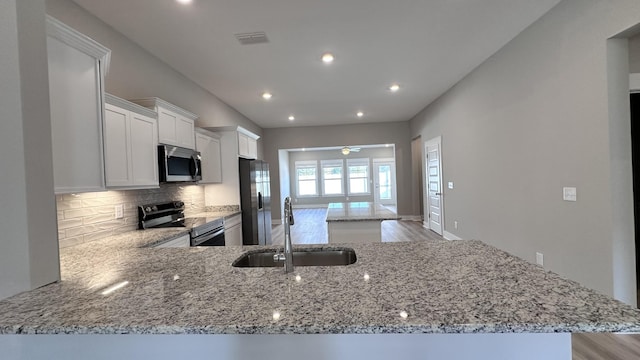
(178, 204)
(147, 209)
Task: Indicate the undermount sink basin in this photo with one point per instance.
(301, 257)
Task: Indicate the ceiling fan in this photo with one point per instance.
(348, 149)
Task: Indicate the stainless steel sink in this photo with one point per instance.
(301, 257)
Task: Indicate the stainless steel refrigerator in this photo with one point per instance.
(255, 202)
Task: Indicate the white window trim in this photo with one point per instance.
(332, 163)
(306, 164)
(358, 162)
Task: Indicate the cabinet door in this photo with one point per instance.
(209, 149)
(185, 133)
(233, 231)
(253, 148)
(243, 145)
(117, 150)
(167, 121)
(216, 161)
(75, 90)
(144, 150)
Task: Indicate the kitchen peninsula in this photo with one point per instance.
(356, 222)
(424, 296)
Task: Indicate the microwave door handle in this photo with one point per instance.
(195, 166)
(260, 200)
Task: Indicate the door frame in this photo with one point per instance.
(376, 192)
(427, 203)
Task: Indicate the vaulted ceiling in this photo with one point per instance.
(423, 46)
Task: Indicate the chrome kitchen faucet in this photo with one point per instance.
(287, 256)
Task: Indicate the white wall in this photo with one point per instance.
(135, 73)
(285, 184)
(396, 133)
(28, 244)
(535, 117)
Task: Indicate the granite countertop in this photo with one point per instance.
(441, 287)
(359, 211)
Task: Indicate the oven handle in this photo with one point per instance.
(194, 158)
(208, 236)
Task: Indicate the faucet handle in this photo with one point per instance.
(278, 257)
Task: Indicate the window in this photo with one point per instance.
(307, 178)
(358, 174)
(332, 177)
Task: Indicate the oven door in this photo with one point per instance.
(212, 238)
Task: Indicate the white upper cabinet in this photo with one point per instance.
(131, 145)
(77, 66)
(247, 144)
(208, 144)
(175, 125)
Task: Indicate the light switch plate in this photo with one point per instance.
(450, 184)
(539, 259)
(569, 194)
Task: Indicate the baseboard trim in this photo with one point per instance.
(449, 236)
(411, 217)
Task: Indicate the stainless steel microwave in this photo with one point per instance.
(177, 164)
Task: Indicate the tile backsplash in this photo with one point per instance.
(91, 216)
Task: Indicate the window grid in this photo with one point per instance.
(358, 176)
(332, 177)
(307, 178)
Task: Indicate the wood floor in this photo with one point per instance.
(310, 228)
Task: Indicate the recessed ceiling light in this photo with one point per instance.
(184, 2)
(267, 95)
(359, 114)
(327, 58)
(394, 87)
(291, 117)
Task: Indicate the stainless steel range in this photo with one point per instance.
(204, 231)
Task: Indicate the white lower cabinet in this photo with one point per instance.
(131, 144)
(208, 144)
(182, 241)
(233, 230)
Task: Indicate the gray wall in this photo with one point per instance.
(634, 54)
(28, 244)
(135, 73)
(543, 113)
(319, 155)
(396, 133)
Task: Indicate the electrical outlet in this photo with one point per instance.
(540, 259)
(119, 211)
(569, 194)
(455, 224)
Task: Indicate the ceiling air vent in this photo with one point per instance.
(252, 38)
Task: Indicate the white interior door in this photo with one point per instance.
(433, 182)
(384, 174)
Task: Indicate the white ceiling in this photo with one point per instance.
(425, 46)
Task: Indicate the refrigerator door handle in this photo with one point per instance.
(260, 200)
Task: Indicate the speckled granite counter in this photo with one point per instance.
(359, 211)
(444, 287)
